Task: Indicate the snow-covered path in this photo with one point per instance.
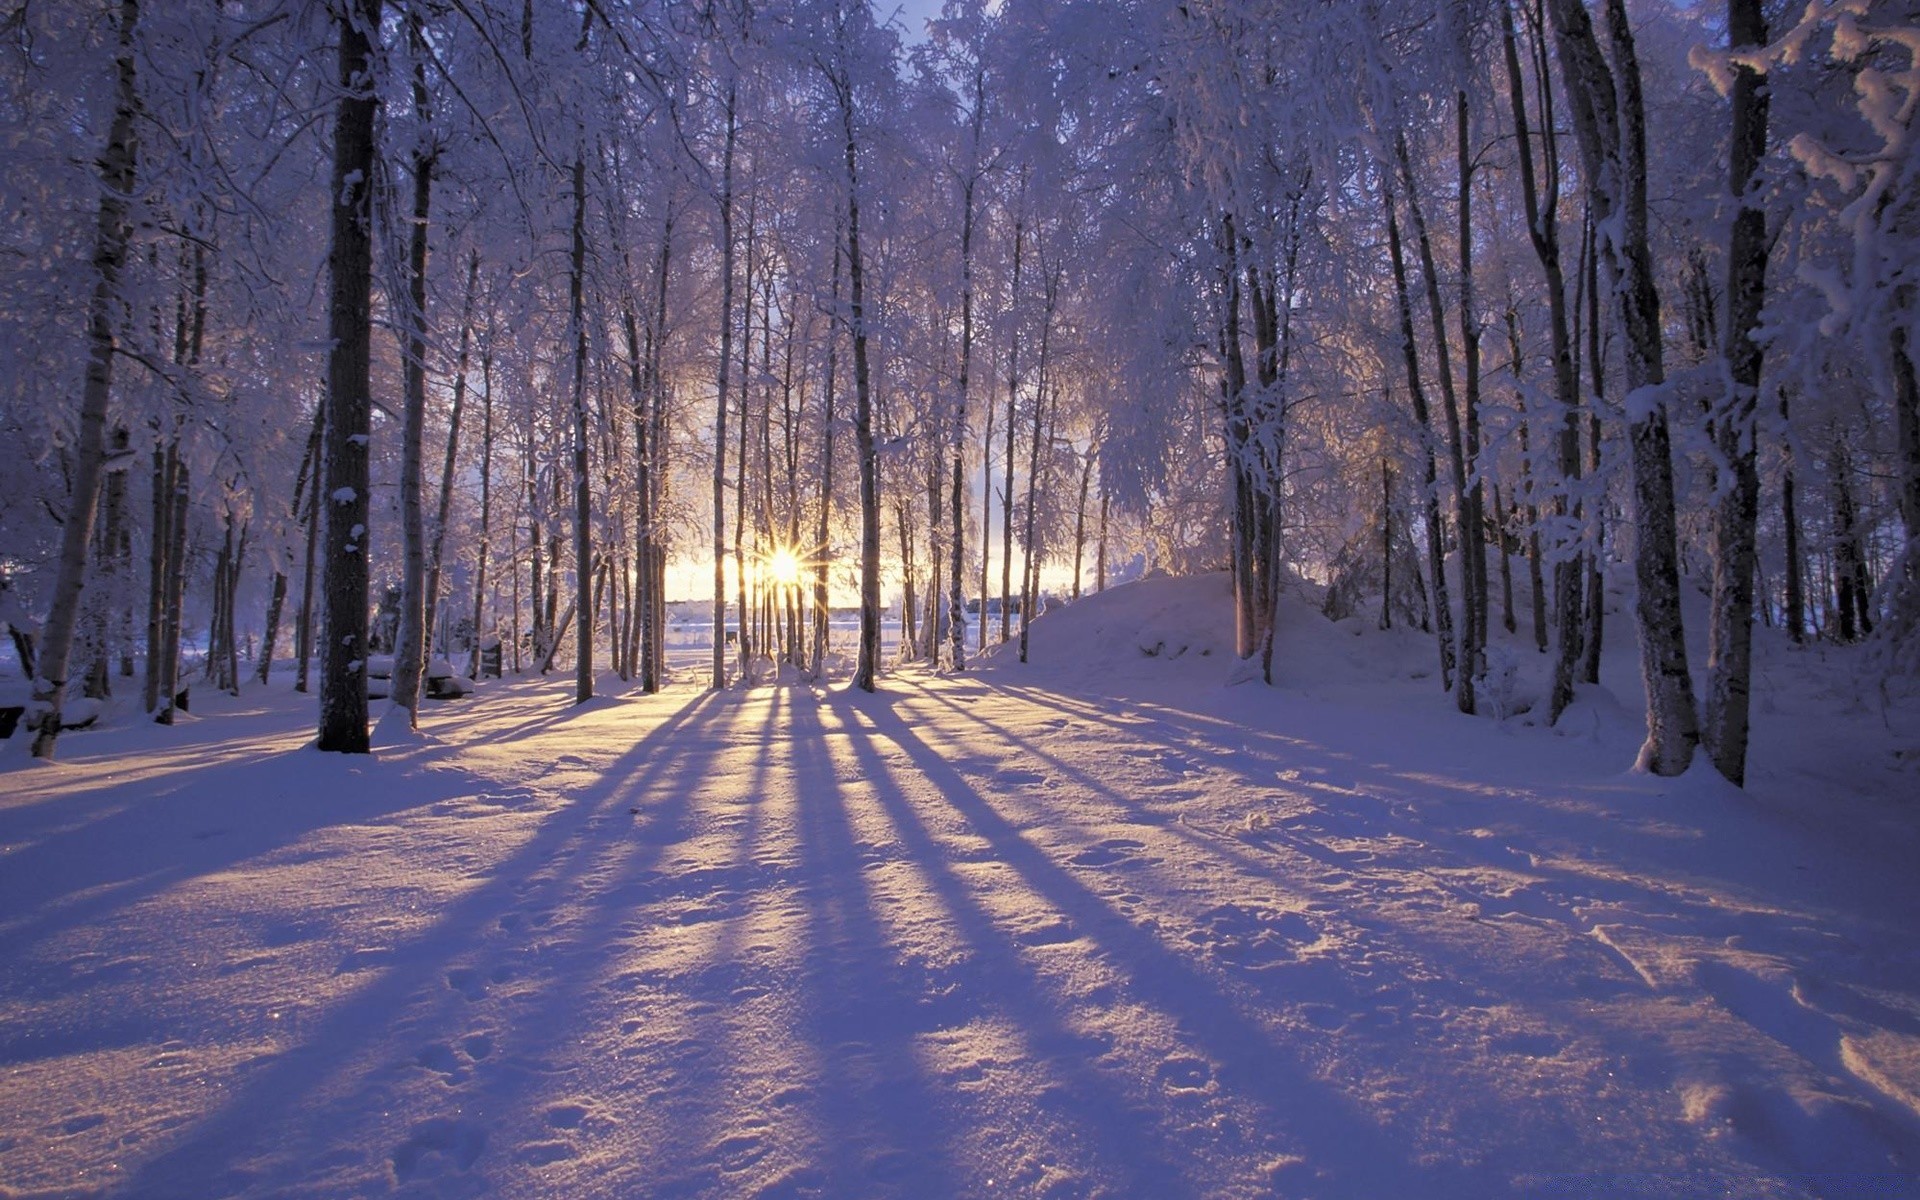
(970, 937)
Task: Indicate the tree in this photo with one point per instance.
(1609, 118)
(118, 166)
(343, 643)
(1734, 426)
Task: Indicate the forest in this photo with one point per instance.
(433, 326)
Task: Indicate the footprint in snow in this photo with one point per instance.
(438, 1146)
(1184, 1073)
(467, 981)
(1015, 777)
(1253, 939)
(545, 1153)
(1108, 852)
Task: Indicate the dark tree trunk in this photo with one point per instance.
(1610, 118)
(1441, 605)
(1737, 510)
(343, 643)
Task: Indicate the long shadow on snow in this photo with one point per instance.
(277, 1112)
(1674, 880)
(1354, 1149)
(884, 1131)
(634, 891)
(232, 805)
(997, 978)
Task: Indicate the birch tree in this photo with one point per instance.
(118, 165)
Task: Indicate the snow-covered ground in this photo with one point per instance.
(1098, 925)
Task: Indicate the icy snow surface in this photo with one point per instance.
(1094, 926)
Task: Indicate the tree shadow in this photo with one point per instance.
(1352, 1150)
(294, 1111)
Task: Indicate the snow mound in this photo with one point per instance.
(1153, 628)
(1164, 629)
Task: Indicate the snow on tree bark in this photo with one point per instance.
(1609, 118)
(1737, 508)
(112, 230)
(343, 642)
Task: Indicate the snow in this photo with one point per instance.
(1096, 925)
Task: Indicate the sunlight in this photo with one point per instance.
(782, 568)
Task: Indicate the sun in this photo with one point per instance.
(782, 567)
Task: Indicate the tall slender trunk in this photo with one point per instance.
(1430, 482)
(1043, 384)
(1793, 569)
(867, 664)
(822, 597)
(743, 628)
(443, 510)
(652, 478)
(1080, 524)
(986, 522)
(306, 483)
(110, 614)
(1610, 119)
(1013, 394)
(173, 590)
(1540, 192)
(112, 230)
(1467, 527)
(1736, 511)
(1849, 555)
(720, 396)
(413, 637)
(584, 609)
(1100, 552)
(957, 561)
(1596, 624)
(161, 540)
(343, 643)
(1476, 542)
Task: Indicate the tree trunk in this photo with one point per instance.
(957, 562)
(1793, 569)
(161, 540)
(719, 679)
(1466, 524)
(1030, 569)
(1013, 394)
(1609, 117)
(1100, 551)
(584, 608)
(443, 510)
(1849, 556)
(111, 234)
(276, 603)
(1736, 512)
(867, 665)
(1386, 544)
(173, 590)
(1442, 604)
(1596, 625)
(1080, 524)
(822, 595)
(412, 638)
(1543, 228)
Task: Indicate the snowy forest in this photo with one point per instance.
(1041, 598)
(510, 321)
